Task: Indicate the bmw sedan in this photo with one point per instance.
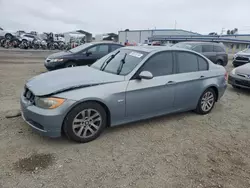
(130, 84)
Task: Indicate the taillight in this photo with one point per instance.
(226, 76)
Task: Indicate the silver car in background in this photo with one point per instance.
(129, 84)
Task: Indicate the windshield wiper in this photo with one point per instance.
(121, 64)
(104, 65)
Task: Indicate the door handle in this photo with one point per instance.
(170, 82)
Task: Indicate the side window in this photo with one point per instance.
(187, 62)
(114, 47)
(159, 64)
(207, 48)
(218, 49)
(103, 49)
(198, 49)
(203, 65)
(93, 49)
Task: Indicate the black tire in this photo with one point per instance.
(8, 36)
(199, 109)
(219, 62)
(68, 122)
(70, 64)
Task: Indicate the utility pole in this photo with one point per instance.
(175, 23)
(222, 31)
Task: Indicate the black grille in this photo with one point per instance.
(29, 95)
(243, 83)
(242, 58)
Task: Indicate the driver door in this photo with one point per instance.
(154, 96)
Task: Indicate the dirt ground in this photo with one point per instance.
(177, 151)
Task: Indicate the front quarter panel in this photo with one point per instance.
(112, 95)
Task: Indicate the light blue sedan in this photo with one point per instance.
(130, 84)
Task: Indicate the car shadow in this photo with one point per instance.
(150, 122)
(240, 91)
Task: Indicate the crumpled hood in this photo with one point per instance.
(69, 78)
(244, 69)
(59, 54)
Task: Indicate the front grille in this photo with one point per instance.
(29, 95)
(243, 83)
(242, 58)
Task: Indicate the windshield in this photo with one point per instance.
(80, 48)
(246, 50)
(183, 45)
(131, 60)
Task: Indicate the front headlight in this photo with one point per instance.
(56, 60)
(48, 103)
(233, 71)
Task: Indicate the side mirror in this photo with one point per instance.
(146, 75)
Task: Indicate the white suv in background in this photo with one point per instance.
(7, 34)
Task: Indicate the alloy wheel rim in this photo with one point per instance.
(207, 101)
(87, 123)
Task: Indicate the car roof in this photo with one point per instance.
(150, 49)
(198, 42)
(105, 42)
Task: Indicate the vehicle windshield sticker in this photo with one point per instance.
(136, 54)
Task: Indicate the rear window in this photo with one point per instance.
(187, 62)
(218, 49)
(114, 47)
(203, 65)
(207, 48)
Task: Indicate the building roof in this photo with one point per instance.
(203, 38)
(166, 30)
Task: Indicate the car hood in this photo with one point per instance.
(69, 78)
(60, 54)
(243, 54)
(244, 69)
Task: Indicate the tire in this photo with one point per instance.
(8, 36)
(70, 64)
(75, 117)
(219, 62)
(200, 109)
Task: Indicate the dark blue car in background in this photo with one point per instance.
(85, 54)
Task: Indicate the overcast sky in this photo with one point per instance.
(100, 16)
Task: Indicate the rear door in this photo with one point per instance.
(220, 54)
(208, 51)
(191, 73)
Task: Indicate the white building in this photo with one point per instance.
(142, 36)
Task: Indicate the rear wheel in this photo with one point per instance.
(220, 62)
(85, 122)
(206, 102)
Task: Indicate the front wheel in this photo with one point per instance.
(206, 102)
(85, 122)
(70, 64)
